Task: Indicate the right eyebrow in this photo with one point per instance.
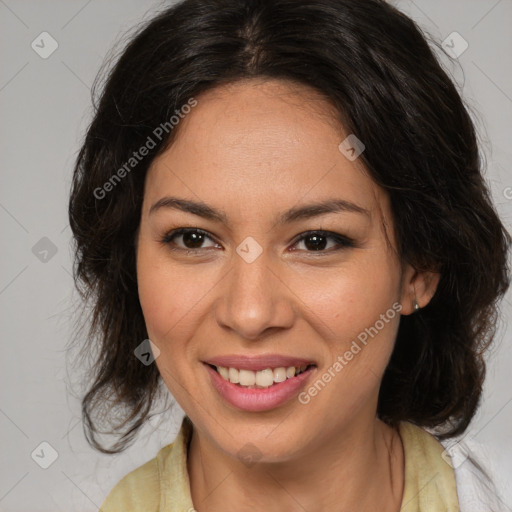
(300, 212)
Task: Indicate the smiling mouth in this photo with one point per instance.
(260, 379)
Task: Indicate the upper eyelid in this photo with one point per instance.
(298, 238)
(167, 237)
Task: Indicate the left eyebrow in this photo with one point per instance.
(292, 215)
(186, 205)
(321, 208)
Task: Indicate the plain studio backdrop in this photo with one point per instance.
(45, 107)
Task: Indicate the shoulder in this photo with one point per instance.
(157, 484)
(428, 478)
(459, 460)
(476, 477)
(139, 490)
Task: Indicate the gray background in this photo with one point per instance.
(45, 107)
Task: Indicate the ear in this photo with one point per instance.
(417, 287)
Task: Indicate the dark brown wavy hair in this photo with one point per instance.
(378, 69)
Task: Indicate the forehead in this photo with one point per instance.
(258, 143)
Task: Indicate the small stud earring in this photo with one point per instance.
(416, 305)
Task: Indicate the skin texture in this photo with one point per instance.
(255, 149)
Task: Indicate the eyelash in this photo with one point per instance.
(342, 241)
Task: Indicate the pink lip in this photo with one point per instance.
(255, 363)
(255, 399)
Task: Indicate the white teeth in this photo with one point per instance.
(224, 372)
(280, 374)
(265, 378)
(260, 379)
(233, 375)
(247, 378)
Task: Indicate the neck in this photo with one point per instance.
(360, 469)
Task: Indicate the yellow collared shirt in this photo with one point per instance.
(162, 484)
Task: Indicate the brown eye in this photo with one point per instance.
(191, 238)
(317, 241)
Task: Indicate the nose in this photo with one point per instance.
(255, 299)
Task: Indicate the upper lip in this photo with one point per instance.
(256, 363)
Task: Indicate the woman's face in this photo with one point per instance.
(256, 285)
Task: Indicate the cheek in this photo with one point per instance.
(356, 312)
(167, 294)
(352, 298)
(169, 298)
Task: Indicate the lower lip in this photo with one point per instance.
(258, 399)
